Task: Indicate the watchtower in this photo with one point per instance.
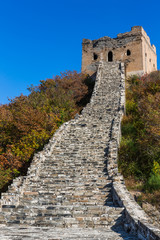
(133, 48)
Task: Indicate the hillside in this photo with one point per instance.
(139, 153)
(28, 122)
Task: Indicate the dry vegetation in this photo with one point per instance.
(27, 122)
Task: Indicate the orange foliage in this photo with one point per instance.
(28, 122)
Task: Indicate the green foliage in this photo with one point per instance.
(153, 183)
(28, 122)
(139, 153)
(156, 168)
(5, 176)
(131, 107)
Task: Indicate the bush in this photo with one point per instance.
(139, 153)
(153, 183)
(27, 122)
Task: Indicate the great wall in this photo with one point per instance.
(73, 189)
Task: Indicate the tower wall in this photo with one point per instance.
(133, 48)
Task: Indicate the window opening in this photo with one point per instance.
(128, 52)
(95, 56)
(110, 57)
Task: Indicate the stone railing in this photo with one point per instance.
(136, 220)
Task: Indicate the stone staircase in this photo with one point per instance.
(67, 191)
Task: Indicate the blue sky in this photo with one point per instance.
(41, 38)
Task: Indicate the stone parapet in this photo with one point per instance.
(136, 220)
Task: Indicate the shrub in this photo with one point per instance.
(27, 122)
(153, 183)
(139, 153)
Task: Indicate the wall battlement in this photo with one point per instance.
(133, 48)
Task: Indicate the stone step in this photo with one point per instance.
(77, 210)
(57, 233)
(65, 219)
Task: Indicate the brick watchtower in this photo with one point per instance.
(133, 48)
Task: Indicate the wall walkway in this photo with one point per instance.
(73, 189)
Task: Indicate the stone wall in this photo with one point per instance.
(136, 220)
(69, 184)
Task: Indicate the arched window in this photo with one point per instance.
(95, 56)
(110, 56)
(128, 52)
